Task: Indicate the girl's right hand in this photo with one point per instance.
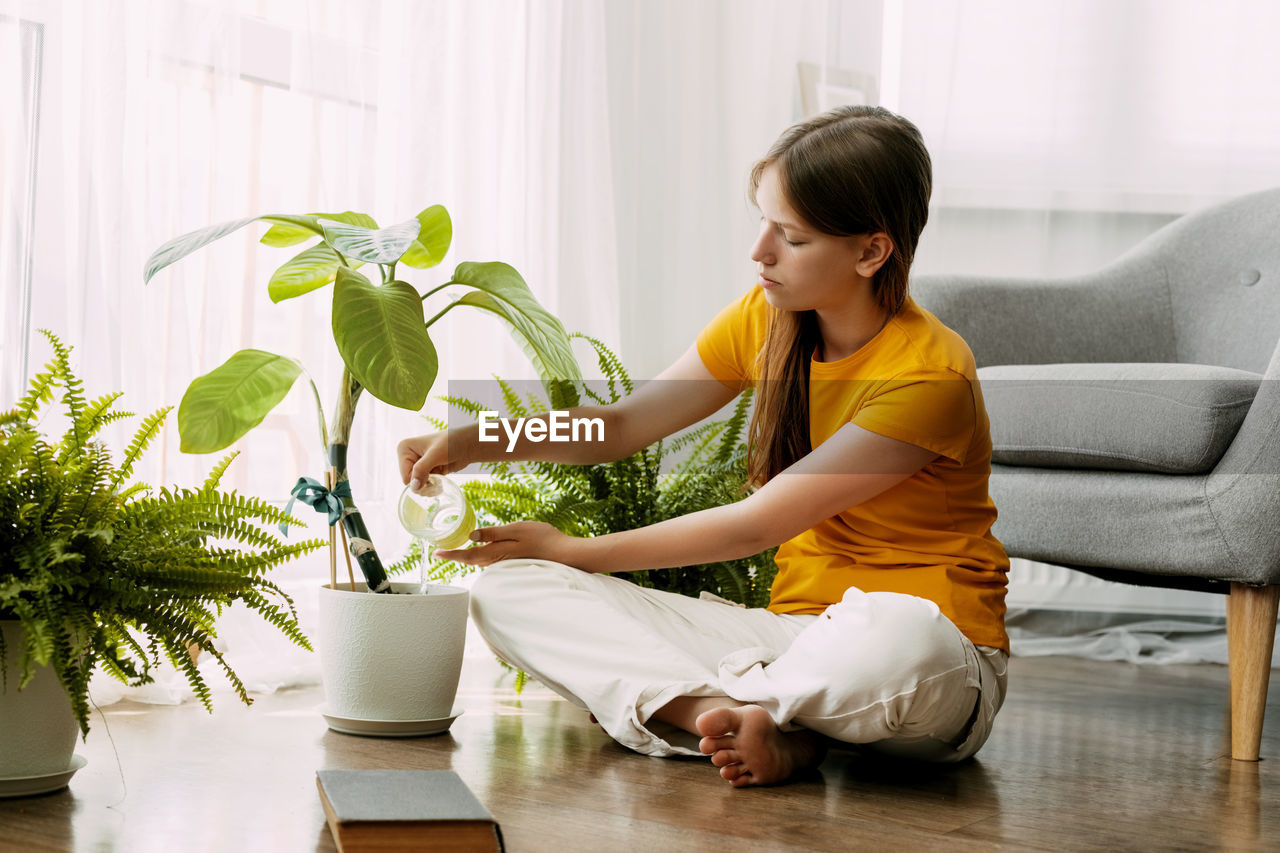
(433, 453)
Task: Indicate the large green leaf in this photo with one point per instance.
(233, 398)
(371, 245)
(434, 238)
(304, 272)
(284, 234)
(281, 235)
(383, 339)
(179, 247)
(558, 383)
(503, 292)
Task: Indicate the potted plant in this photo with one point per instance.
(98, 570)
(383, 336)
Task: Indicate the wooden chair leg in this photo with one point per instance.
(1251, 633)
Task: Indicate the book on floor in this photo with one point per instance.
(389, 810)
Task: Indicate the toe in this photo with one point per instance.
(709, 745)
(717, 722)
(725, 757)
(733, 772)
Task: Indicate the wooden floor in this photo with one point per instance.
(1085, 756)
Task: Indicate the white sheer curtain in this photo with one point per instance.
(1116, 106)
(698, 92)
(599, 147)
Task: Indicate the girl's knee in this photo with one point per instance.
(490, 584)
(511, 594)
(889, 633)
(514, 583)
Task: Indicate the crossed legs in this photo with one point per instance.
(665, 674)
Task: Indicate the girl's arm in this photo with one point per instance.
(682, 395)
(851, 467)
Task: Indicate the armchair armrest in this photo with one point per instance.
(1244, 489)
(1118, 314)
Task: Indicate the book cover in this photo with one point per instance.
(389, 810)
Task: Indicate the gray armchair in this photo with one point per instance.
(1135, 418)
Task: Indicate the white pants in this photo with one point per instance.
(882, 669)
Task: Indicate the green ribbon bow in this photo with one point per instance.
(314, 494)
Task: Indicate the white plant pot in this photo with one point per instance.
(37, 728)
(392, 657)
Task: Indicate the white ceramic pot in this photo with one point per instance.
(37, 728)
(391, 657)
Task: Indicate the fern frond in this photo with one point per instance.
(283, 618)
(515, 406)
(98, 414)
(73, 399)
(39, 393)
(134, 490)
(180, 656)
(734, 436)
(215, 476)
(610, 366)
(464, 405)
(148, 430)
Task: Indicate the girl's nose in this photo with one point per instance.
(761, 252)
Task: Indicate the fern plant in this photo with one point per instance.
(701, 468)
(100, 570)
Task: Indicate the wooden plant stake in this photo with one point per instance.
(346, 548)
(333, 556)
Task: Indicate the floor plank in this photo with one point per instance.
(1085, 756)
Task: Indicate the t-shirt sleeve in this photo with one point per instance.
(727, 344)
(930, 409)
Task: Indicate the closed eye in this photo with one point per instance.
(783, 235)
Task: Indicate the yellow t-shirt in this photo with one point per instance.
(928, 536)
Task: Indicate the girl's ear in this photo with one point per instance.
(873, 251)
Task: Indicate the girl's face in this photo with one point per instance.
(801, 268)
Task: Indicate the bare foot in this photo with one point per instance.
(750, 750)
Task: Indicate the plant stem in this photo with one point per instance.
(360, 543)
(437, 289)
(440, 313)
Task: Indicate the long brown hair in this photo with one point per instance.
(851, 170)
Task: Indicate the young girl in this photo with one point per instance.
(869, 454)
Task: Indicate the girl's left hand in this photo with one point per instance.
(535, 540)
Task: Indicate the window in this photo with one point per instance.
(20, 90)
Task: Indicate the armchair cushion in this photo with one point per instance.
(1165, 418)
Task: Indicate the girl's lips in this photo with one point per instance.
(768, 283)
